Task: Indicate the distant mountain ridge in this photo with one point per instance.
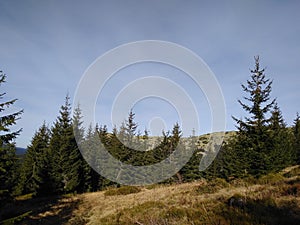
(202, 140)
(20, 151)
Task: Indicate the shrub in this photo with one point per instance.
(213, 186)
(271, 179)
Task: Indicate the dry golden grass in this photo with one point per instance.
(273, 199)
(187, 204)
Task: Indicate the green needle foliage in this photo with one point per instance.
(35, 170)
(8, 159)
(296, 131)
(263, 144)
(53, 163)
(66, 159)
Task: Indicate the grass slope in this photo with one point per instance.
(273, 199)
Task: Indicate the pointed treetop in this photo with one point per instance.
(258, 104)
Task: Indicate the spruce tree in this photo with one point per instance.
(66, 158)
(281, 144)
(190, 171)
(124, 142)
(77, 122)
(175, 143)
(131, 131)
(296, 131)
(57, 157)
(77, 139)
(253, 137)
(35, 170)
(131, 125)
(8, 159)
(92, 180)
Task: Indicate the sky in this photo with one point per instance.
(47, 46)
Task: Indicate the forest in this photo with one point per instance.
(263, 143)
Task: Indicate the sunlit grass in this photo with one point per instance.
(271, 199)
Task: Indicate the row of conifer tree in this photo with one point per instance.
(53, 163)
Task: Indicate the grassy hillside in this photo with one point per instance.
(273, 199)
(201, 141)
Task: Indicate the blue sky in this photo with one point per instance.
(46, 46)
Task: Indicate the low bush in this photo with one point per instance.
(212, 186)
(271, 179)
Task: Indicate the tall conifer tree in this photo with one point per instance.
(281, 144)
(296, 130)
(8, 159)
(66, 158)
(253, 136)
(35, 170)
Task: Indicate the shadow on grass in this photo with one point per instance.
(42, 210)
(264, 211)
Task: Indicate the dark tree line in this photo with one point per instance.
(53, 163)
